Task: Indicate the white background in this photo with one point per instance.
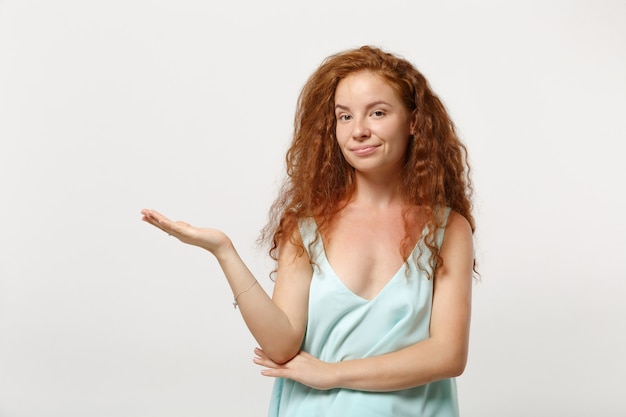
(107, 107)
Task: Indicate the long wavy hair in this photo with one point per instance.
(319, 181)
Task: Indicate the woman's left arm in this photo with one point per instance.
(442, 355)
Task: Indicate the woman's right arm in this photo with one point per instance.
(278, 323)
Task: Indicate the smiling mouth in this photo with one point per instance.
(364, 150)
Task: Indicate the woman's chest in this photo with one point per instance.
(365, 256)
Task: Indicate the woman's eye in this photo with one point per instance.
(378, 113)
(344, 117)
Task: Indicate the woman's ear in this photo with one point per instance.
(413, 123)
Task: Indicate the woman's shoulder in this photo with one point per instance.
(456, 222)
(458, 232)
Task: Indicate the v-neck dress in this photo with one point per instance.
(343, 326)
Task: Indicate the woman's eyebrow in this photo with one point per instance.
(370, 105)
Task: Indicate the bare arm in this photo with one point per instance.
(277, 325)
(442, 355)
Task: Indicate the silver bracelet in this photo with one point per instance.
(246, 290)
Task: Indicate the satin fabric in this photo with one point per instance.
(343, 326)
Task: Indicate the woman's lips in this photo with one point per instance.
(364, 150)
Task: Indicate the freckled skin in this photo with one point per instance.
(373, 124)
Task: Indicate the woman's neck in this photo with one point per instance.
(377, 192)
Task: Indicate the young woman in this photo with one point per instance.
(372, 233)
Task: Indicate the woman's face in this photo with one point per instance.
(373, 124)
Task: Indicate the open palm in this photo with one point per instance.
(210, 239)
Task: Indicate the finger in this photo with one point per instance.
(155, 222)
(259, 352)
(151, 213)
(266, 362)
(160, 221)
(156, 216)
(275, 373)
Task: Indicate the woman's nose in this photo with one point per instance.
(361, 129)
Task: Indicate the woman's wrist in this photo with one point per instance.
(223, 250)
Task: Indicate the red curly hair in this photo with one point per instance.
(319, 181)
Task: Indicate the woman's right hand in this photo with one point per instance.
(210, 239)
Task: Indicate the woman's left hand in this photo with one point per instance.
(303, 368)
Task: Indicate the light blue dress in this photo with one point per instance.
(343, 326)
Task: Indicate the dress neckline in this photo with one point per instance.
(389, 282)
